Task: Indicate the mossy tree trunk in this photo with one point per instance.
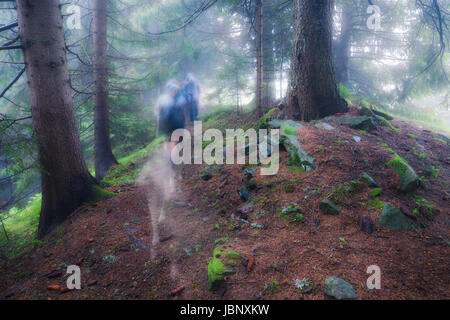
(268, 88)
(343, 47)
(259, 56)
(66, 181)
(313, 92)
(104, 157)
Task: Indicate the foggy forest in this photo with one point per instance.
(224, 150)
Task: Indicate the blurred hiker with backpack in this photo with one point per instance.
(191, 89)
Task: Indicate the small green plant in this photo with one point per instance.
(343, 192)
(422, 156)
(296, 168)
(271, 286)
(376, 204)
(320, 148)
(222, 240)
(425, 208)
(298, 218)
(302, 285)
(434, 171)
(375, 192)
(231, 226)
(59, 231)
(440, 140)
(288, 188)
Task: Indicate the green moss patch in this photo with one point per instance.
(223, 260)
(290, 131)
(409, 181)
(101, 194)
(375, 192)
(129, 167)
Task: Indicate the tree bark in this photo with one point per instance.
(104, 157)
(66, 181)
(313, 92)
(343, 46)
(259, 55)
(268, 73)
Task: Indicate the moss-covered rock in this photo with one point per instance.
(264, 121)
(375, 192)
(409, 180)
(360, 123)
(328, 207)
(324, 125)
(392, 218)
(369, 180)
(221, 265)
(365, 111)
(381, 121)
(298, 156)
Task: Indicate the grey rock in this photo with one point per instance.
(367, 225)
(324, 125)
(328, 207)
(360, 123)
(245, 211)
(369, 180)
(249, 172)
(409, 180)
(339, 289)
(243, 193)
(298, 156)
(392, 218)
(372, 112)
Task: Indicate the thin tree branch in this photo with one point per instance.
(12, 83)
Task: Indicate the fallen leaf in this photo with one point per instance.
(55, 287)
(251, 261)
(177, 291)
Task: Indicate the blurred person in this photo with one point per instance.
(170, 112)
(191, 88)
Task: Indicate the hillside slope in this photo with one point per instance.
(280, 243)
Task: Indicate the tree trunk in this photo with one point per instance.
(66, 181)
(313, 91)
(281, 69)
(259, 55)
(344, 43)
(268, 89)
(104, 157)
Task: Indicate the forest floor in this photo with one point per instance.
(124, 253)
